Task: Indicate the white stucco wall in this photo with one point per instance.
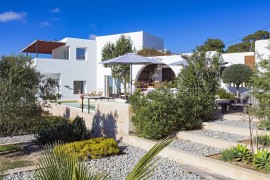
(139, 39)
(72, 70)
(236, 58)
(262, 49)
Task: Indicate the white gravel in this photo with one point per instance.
(14, 139)
(241, 124)
(196, 148)
(119, 166)
(221, 135)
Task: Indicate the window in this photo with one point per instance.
(79, 87)
(80, 53)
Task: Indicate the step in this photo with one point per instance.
(221, 135)
(232, 129)
(207, 164)
(209, 141)
(195, 147)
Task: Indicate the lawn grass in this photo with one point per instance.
(10, 147)
(6, 165)
(67, 101)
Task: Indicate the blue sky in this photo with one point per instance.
(183, 24)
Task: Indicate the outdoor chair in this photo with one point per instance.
(93, 93)
(99, 93)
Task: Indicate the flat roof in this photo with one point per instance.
(42, 47)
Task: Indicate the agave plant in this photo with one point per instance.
(62, 165)
(242, 153)
(261, 160)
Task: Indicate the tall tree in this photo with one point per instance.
(122, 46)
(19, 82)
(258, 35)
(248, 42)
(212, 45)
(237, 74)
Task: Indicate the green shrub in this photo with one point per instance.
(261, 160)
(228, 154)
(264, 125)
(238, 153)
(264, 140)
(93, 148)
(158, 115)
(223, 94)
(63, 130)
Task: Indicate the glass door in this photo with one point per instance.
(108, 86)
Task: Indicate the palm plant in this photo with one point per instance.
(58, 164)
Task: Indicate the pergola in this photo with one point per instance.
(42, 47)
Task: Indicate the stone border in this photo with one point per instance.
(207, 164)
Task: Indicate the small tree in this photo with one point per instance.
(237, 74)
(261, 89)
(198, 85)
(49, 89)
(19, 82)
(122, 46)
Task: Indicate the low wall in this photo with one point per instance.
(112, 119)
(70, 112)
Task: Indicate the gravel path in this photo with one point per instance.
(119, 166)
(242, 124)
(196, 148)
(27, 175)
(221, 135)
(13, 139)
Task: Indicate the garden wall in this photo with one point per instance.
(70, 112)
(112, 119)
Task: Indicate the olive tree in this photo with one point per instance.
(19, 82)
(237, 74)
(261, 91)
(122, 46)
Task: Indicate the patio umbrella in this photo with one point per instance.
(130, 59)
(179, 63)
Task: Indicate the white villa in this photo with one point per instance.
(75, 62)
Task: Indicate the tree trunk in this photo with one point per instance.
(237, 91)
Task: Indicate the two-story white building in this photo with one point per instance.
(75, 62)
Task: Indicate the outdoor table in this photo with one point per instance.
(243, 105)
(223, 103)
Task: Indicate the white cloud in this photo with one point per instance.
(55, 10)
(92, 36)
(12, 16)
(44, 24)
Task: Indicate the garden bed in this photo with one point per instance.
(240, 164)
(17, 156)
